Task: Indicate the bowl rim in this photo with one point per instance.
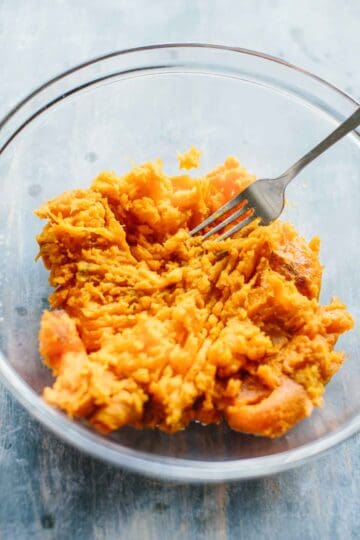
(157, 466)
(170, 45)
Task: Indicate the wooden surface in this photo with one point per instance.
(49, 490)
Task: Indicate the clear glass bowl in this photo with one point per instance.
(133, 106)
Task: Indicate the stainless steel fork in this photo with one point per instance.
(264, 199)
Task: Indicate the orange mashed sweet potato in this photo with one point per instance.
(190, 159)
(154, 328)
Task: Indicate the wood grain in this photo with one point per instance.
(51, 491)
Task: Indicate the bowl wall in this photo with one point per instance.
(140, 105)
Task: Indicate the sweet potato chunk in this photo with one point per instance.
(273, 415)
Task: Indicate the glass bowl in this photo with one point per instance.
(136, 105)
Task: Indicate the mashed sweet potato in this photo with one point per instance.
(190, 159)
(153, 328)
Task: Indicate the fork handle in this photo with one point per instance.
(351, 123)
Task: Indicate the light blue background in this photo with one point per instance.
(48, 490)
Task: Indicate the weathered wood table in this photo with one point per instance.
(51, 491)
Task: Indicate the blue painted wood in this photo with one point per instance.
(51, 491)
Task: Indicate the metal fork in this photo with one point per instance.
(264, 199)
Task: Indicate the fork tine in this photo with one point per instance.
(237, 227)
(216, 215)
(226, 221)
